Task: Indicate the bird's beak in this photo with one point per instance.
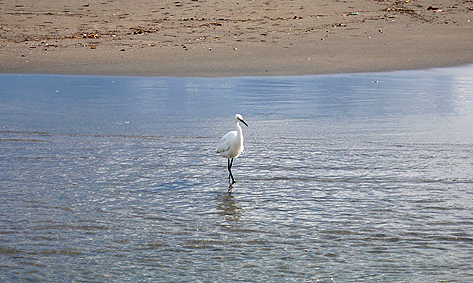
(243, 122)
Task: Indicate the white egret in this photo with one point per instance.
(231, 145)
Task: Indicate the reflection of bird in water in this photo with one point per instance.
(229, 207)
(231, 145)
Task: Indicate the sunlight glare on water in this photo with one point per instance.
(345, 178)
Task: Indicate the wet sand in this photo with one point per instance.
(232, 38)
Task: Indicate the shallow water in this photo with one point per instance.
(345, 178)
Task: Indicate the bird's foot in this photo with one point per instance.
(231, 180)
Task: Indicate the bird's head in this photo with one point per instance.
(239, 118)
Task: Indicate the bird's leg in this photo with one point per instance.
(230, 175)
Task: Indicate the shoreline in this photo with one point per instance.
(253, 38)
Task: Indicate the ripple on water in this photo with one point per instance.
(342, 179)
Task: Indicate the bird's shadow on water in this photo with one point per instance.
(228, 207)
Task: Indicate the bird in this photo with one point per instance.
(231, 145)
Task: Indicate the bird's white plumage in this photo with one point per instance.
(231, 144)
(228, 146)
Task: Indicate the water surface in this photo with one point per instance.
(345, 178)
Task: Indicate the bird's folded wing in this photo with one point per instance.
(224, 143)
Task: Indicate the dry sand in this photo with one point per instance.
(232, 37)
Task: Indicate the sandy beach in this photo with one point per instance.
(232, 38)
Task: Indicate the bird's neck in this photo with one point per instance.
(238, 128)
